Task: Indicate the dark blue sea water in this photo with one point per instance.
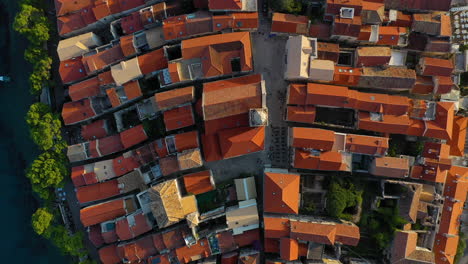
(18, 242)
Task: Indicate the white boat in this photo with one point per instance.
(4, 79)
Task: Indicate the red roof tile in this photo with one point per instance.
(80, 177)
(169, 165)
(218, 62)
(113, 97)
(276, 227)
(179, 117)
(160, 259)
(347, 27)
(423, 85)
(102, 212)
(71, 22)
(225, 4)
(110, 236)
(139, 249)
(109, 145)
(443, 84)
(289, 249)
(200, 250)
(94, 235)
(334, 6)
(98, 191)
(152, 61)
(74, 112)
(72, 70)
(366, 144)
(281, 193)
(123, 165)
(442, 126)
(330, 161)
(187, 140)
(84, 89)
(131, 23)
(199, 182)
(457, 142)
(211, 149)
(132, 90)
(133, 136)
(247, 20)
(132, 226)
(172, 98)
(108, 255)
(231, 97)
(433, 66)
(301, 114)
(389, 35)
(127, 46)
(272, 245)
(95, 130)
(247, 238)
(347, 234)
(214, 126)
(240, 141)
(63, 7)
(314, 232)
(312, 138)
(102, 59)
(286, 23)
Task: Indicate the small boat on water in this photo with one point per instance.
(4, 78)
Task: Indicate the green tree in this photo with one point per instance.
(46, 172)
(45, 128)
(33, 54)
(288, 6)
(40, 74)
(41, 221)
(461, 247)
(32, 23)
(341, 197)
(70, 244)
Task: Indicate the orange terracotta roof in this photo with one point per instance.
(241, 141)
(435, 67)
(123, 165)
(132, 226)
(429, 172)
(132, 90)
(75, 21)
(334, 6)
(199, 182)
(244, 20)
(102, 59)
(389, 35)
(179, 117)
(423, 85)
(72, 70)
(131, 23)
(347, 27)
(286, 23)
(276, 227)
(231, 97)
(451, 217)
(382, 103)
(330, 161)
(152, 61)
(219, 52)
(133, 136)
(211, 149)
(113, 97)
(390, 123)
(225, 4)
(347, 234)
(200, 250)
(108, 255)
(84, 89)
(297, 94)
(313, 138)
(173, 98)
(95, 130)
(390, 167)
(457, 142)
(366, 144)
(271, 245)
(314, 232)
(289, 249)
(173, 239)
(63, 7)
(247, 238)
(108, 145)
(126, 44)
(138, 250)
(346, 76)
(106, 78)
(102, 212)
(443, 84)
(187, 140)
(281, 193)
(328, 95)
(435, 151)
(214, 126)
(301, 114)
(80, 177)
(169, 165)
(456, 185)
(74, 112)
(98, 191)
(442, 126)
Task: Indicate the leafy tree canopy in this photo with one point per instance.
(341, 197)
(47, 171)
(45, 128)
(41, 221)
(32, 23)
(288, 6)
(70, 244)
